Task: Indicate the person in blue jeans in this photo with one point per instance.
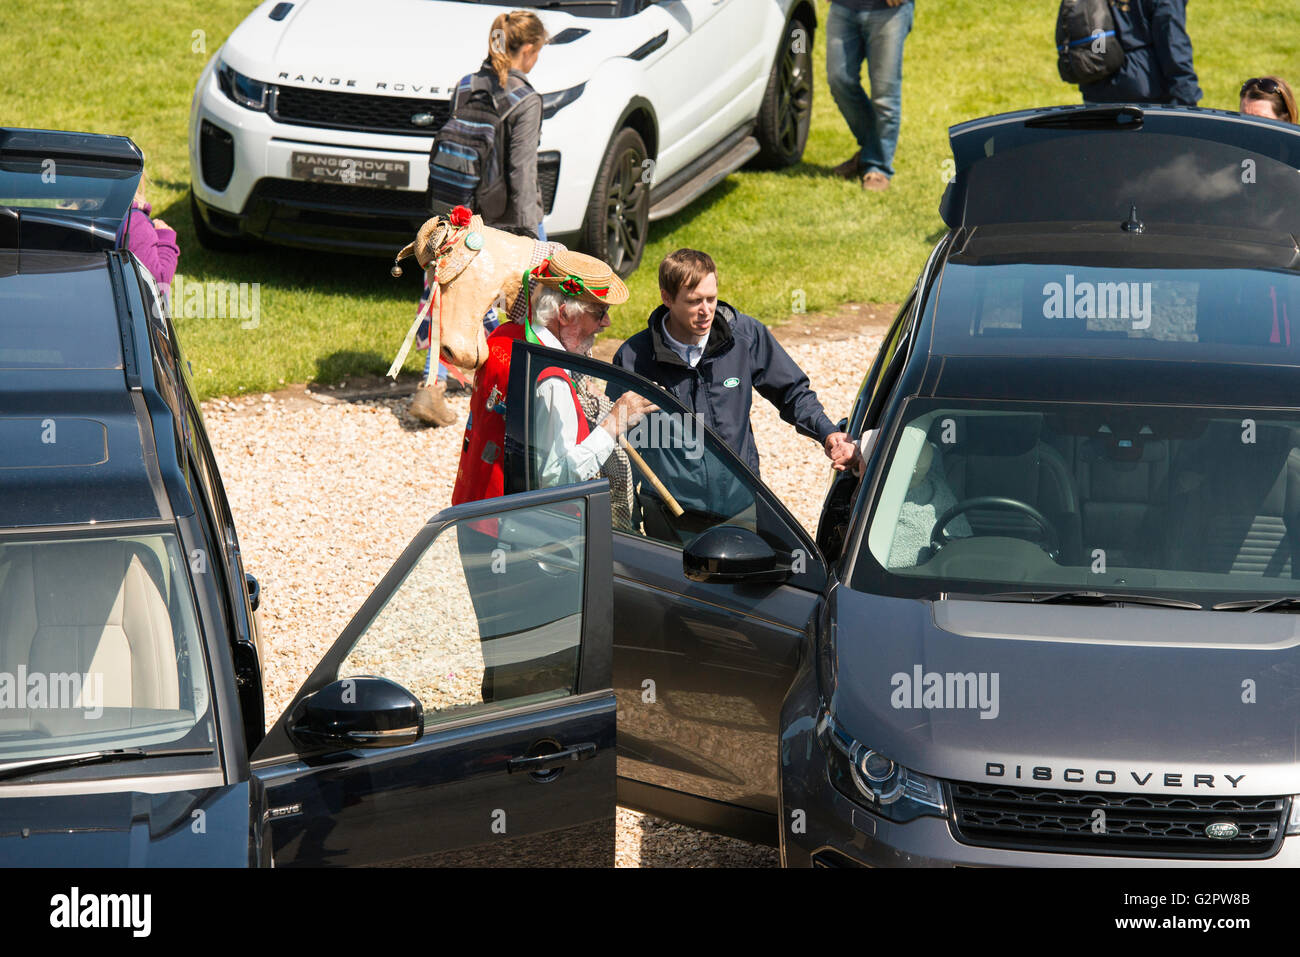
(871, 30)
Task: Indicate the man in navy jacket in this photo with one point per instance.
(711, 357)
(1157, 56)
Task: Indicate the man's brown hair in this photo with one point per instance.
(684, 269)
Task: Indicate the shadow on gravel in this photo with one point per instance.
(674, 845)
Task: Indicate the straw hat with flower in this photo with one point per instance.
(577, 276)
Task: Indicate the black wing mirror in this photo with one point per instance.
(729, 554)
(364, 712)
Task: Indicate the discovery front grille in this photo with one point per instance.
(364, 112)
(1147, 825)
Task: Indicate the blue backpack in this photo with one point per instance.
(1087, 43)
(467, 160)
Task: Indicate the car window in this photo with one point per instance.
(99, 647)
(1121, 311)
(670, 478)
(997, 496)
(489, 616)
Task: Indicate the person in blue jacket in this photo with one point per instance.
(1157, 56)
(712, 358)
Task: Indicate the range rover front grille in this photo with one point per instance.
(364, 112)
(1149, 825)
(350, 199)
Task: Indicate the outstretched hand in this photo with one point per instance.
(843, 452)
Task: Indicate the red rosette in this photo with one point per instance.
(460, 216)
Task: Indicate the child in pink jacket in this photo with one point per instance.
(152, 241)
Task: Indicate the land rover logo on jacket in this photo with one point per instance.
(731, 383)
(1222, 830)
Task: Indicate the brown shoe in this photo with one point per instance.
(849, 168)
(429, 404)
(875, 181)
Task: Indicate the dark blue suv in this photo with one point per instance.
(438, 728)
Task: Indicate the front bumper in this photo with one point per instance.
(841, 834)
(820, 826)
(243, 184)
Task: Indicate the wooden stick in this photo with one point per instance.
(664, 494)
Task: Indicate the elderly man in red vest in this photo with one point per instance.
(570, 295)
(575, 434)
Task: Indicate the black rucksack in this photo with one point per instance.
(467, 160)
(1087, 44)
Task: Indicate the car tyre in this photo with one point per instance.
(785, 114)
(618, 214)
(210, 240)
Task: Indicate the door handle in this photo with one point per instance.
(554, 760)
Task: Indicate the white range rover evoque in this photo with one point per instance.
(311, 126)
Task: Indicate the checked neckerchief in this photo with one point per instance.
(617, 468)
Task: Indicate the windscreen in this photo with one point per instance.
(99, 647)
(1187, 502)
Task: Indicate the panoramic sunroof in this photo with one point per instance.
(59, 320)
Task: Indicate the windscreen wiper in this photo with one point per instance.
(19, 768)
(1288, 603)
(1090, 598)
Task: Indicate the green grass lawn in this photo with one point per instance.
(129, 66)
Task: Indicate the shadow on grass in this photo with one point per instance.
(342, 363)
(355, 276)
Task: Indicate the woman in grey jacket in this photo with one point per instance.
(514, 45)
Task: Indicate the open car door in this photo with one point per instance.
(715, 584)
(465, 715)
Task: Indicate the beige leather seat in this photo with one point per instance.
(89, 607)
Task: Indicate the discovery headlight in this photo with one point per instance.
(247, 92)
(876, 781)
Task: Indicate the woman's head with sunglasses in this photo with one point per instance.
(1269, 97)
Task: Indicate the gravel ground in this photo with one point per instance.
(326, 494)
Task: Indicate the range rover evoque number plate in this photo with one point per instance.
(350, 170)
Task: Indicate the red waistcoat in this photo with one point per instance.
(482, 467)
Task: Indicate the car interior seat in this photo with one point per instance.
(1007, 455)
(89, 607)
(1123, 484)
(1236, 504)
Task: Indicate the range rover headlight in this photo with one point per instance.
(1293, 821)
(249, 93)
(876, 781)
(552, 103)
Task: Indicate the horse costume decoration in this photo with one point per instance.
(474, 267)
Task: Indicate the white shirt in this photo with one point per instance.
(690, 354)
(564, 461)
